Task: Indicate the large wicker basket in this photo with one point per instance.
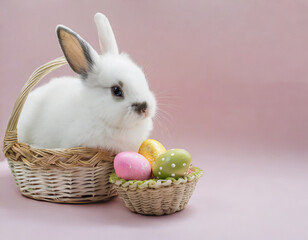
(157, 196)
(75, 175)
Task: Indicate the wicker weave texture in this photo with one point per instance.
(160, 201)
(75, 175)
(74, 185)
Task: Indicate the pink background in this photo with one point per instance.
(231, 80)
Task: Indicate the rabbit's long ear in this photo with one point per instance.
(78, 53)
(106, 37)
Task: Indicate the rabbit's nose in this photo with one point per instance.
(140, 107)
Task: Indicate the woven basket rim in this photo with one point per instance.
(64, 150)
(155, 183)
(93, 156)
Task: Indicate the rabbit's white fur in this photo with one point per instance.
(70, 112)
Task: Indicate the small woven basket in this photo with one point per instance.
(74, 175)
(156, 196)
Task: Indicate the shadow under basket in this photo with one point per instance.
(157, 196)
(74, 175)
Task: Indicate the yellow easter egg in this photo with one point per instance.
(151, 149)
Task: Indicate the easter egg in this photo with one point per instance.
(173, 163)
(132, 166)
(151, 149)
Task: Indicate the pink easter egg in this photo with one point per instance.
(132, 166)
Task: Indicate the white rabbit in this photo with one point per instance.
(110, 106)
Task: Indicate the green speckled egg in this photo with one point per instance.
(173, 163)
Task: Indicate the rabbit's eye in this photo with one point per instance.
(117, 91)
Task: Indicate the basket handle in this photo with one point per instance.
(11, 131)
